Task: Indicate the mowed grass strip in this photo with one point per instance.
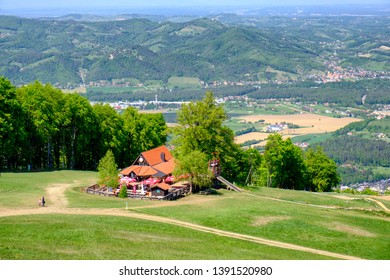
(53, 237)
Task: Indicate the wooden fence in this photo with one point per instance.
(172, 195)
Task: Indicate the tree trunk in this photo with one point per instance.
(73, 140)
(49, 155)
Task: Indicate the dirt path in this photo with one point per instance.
(379, 203)
(295, 202)
(56, 194)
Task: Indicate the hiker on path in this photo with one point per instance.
(43, 201)
(40, 202)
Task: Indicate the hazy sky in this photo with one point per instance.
(39, 4)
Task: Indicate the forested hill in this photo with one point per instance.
(68, 53)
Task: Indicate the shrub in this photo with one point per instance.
(369, 192)
(123, 192)
(352, 191)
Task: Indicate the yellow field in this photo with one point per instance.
(256, 136)
(310, 123)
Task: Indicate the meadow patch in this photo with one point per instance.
(262, 221)
(351, 229)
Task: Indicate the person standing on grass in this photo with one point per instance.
(40, 202)
(43, 201)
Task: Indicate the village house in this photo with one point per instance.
(150, 175)
(157, 162)
(276, 127)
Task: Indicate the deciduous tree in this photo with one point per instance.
(108, 170)
(200, 128)
(43, 104)
(194, 167)
(285, 163)
(321, 172)
(13, 137)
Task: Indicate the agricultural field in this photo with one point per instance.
(183, 83)
(259, 224)
(308, 124)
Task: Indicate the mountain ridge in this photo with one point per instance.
(69, 53)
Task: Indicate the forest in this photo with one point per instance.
(340, 93)
(358, 150)
(43, 128)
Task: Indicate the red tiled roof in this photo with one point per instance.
(159, 161)
(139, 170)
(165, 167)
(162, 186)
(157, 155)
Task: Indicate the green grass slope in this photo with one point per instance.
(338, 223)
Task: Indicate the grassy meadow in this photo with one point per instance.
(295, 217)
(22, 190)
(104, 238)
(339, 223)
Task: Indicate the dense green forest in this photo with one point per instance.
(341, 93)
(43, 128)
(365, 152)
(358, 148)
(68, 53)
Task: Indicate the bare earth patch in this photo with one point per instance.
(385, 197)
(379, 203)
(56, 195)
(351, 229)
(343, 197)
(384, 48)
(262, 221)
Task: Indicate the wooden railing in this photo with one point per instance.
(172, 195)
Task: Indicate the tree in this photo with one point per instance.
(194, 166)
(285, 163)
(142, 132)
(110, 128)
(200, 128)
(43, 104)
(41, 127)
(254, 160)
(79, 132)
(13, 137)
(321, 173)
(108, 170)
